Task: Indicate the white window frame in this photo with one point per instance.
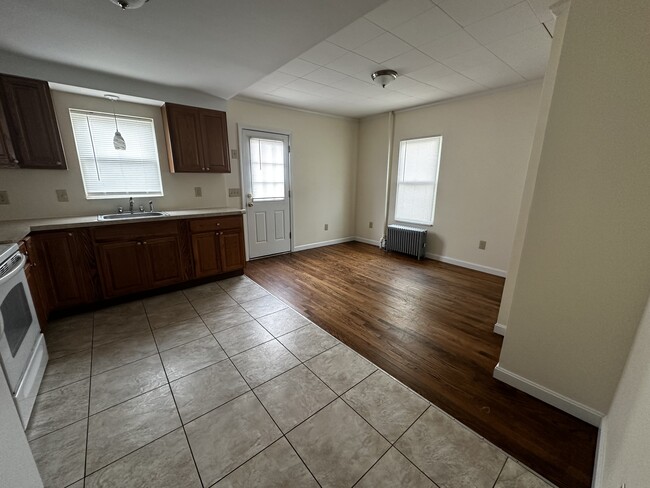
(400, 182)
(108, 195)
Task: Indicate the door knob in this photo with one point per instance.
(250, 204)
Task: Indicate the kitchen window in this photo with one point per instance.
(111, 173)
(417, 180)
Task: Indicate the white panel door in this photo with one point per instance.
(265, 160)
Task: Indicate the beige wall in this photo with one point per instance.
(626, 429)
(485, 151)
(32, 192)
(531, 173)
(371, 177)
(323, 166)
(584, 275)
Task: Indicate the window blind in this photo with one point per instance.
(107, 172)
(417, 180)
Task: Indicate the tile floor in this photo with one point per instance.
(225, 385)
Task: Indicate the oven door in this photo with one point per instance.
(19, 329)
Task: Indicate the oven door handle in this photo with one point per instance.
(17, 268)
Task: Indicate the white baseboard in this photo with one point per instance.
(466, 264)
(583, 412)
(500, 329)
(313, 245)
(367, 241)
(599, 463)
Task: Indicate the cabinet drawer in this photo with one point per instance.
(134, 231)
(216, 223)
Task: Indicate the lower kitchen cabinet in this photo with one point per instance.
(83, 266)
(218, 247)
(64, 260)
(139, 258)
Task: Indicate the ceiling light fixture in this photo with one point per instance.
(118, 141)
(129, 4)
(384, 76)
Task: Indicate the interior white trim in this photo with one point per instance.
(313, 245)
(367, 241)
(467, 264)
(500, 329)
(577, 409)
(597, 480)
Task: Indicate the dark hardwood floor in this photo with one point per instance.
(429, 324)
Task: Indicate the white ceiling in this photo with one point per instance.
(218, 47)
(280, 51)
(440, 48)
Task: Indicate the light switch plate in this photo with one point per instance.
(198, 191)
(234, 154)
(327, 226)
(234, 192)
(62, 196)
(4, 198)
(482, 244)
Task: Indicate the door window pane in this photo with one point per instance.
(267, 169)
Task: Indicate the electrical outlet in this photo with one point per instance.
(482, 244)
(234, 192)
(370, 225)
(4, 198)
(234, 154)
(327, 226)
(198, 192)
(62, 195)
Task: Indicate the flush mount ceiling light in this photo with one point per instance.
(129, 4)
(384, 76)
(118, 141)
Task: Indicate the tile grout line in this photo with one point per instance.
(90, 379)
(499, 474)
(178, 412)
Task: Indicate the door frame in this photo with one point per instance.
(240, 134)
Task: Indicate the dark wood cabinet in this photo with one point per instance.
(205, 250)
(134, 258)
(217, 245)
(65, 272)
(35, 281)
(29, 125)
(197, 139)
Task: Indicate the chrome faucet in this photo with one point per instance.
(150, 205)
(131, 204)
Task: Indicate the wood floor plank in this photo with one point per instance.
(429, 324)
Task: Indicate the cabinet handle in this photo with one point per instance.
(139, 243)
(144, 242)
(69, 234)
(218, 224)
(15, 161)
(207, 169)
(59, 163)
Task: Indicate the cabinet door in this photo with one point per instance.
(122, 268)
(183, 132)
(207, 258)
(32, 123)
(64, 278)
(164, 261)
(232, 250)
(214, 138)
(7, 154)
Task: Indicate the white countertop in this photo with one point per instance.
(15, 230)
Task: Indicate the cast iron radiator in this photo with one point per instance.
(409, 240)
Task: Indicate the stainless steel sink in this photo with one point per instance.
(129, 216)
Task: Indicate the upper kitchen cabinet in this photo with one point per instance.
(197, 139)
(29, 131)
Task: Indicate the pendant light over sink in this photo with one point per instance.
(129, 4)
(118, 141)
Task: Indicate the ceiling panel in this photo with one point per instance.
(383, 48)
(356, 34)
(466, 12)
(396, 12)
(426, 27)
(503, 24)
(410, 61)
(323, 53)
(450, 46)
